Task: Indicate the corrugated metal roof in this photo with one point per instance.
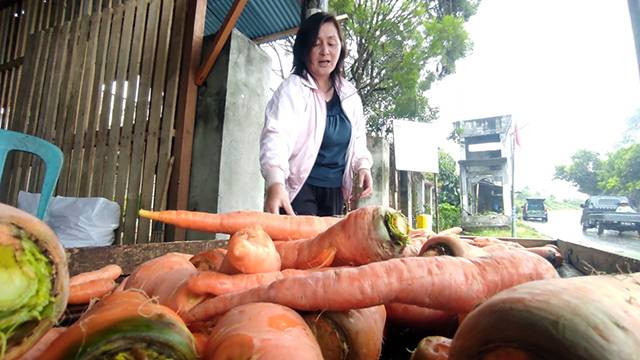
(259, 17)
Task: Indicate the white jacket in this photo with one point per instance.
(295, 119)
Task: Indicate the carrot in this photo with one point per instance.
(550, 252)
(587, 317)
(251, 251)
(279, 227)
(201, 340)
(262, 331)
(166, 279)
(420, 318)
(84, 292)
(483, 241)
(36, 351)
(111, 271)
(432, 348)
(35, 281)
(365, 235)
(127, 324)
(353, 334)
(449, 244)
(445, 283)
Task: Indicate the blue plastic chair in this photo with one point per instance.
(50, 154)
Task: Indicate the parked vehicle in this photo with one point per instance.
(600, 212)
(534, 208)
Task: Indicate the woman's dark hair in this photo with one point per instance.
(306, 38)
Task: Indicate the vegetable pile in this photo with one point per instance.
(330, 288)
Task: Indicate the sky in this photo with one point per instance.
(566, 71)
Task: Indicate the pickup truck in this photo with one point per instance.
(600, 212)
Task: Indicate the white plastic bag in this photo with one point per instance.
(78, 222)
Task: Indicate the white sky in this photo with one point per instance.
(566, 70)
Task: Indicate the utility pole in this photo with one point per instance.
(310, 7)
(634, 12)
(514, 214)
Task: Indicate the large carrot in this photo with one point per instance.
(43, 344)
(446, 283)
(262, 331)
(251, 251)
(124, 325)
(279, 227)
(449, 244)
(34, 280)
(166, 279)
(84, 292)
(365, 235)
(433, 348)
(421, 318)
(111, 271)
(352, 334)
(588, 317)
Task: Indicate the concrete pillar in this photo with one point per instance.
(225, 170)
(379, 149)
(310, 7)
(404, 195)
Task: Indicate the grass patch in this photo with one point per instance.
(522, 231)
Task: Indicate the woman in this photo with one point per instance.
(314, 142)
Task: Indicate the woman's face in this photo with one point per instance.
(325, 52)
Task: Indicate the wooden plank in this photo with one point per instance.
(89, 69)
(155, 116)
(186, 112)
(99, 186)
(96, 101)
(140, 134)
(70, 115)
(220, 40)
(36, 125)
(130, 256)
(169, 108)
(591, 260)
(23, 29)
(124, 150)
(5, 17)
(526, 242)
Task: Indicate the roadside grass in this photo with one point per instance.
(522, 231)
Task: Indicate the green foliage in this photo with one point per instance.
(583, 171)
(448, 179)
(448, 216)
(397, 49)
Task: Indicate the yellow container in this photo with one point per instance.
(423, 221)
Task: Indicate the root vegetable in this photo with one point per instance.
(111, 271)
(432, 348)
(251, 251)
(83, 293)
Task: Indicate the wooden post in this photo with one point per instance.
(186, 112)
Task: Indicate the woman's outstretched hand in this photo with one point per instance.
(277, 197)
(365, 182)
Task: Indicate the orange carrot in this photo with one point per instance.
(445, 283)
(36, 351)
(251, 251)
(127, 324)
(279, 227)
(353, 334)
(432, 348)
(166, 278)
(92, 289)
(262, 331)
(365, 235)
(111, 271)
(201, 340)
(449, 244)
(421, 318)
(586, 317)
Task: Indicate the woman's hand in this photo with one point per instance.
(277, 197)
(365, 182)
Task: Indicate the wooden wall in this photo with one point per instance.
(100, 80)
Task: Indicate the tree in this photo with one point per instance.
(583, 172)
(632, 135)
(398, 48)
(448, 180)
(620, 173)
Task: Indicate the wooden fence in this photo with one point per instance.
(100, 80)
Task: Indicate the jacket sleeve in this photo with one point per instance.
(278, 138)
(362, 158)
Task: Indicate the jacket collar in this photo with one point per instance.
(345, 90)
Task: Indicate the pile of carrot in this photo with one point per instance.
(329, 288)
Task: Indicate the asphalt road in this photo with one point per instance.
(565, 225)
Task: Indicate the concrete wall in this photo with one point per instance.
(379, 149)
(225, 170)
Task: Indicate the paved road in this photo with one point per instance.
(565, 225)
